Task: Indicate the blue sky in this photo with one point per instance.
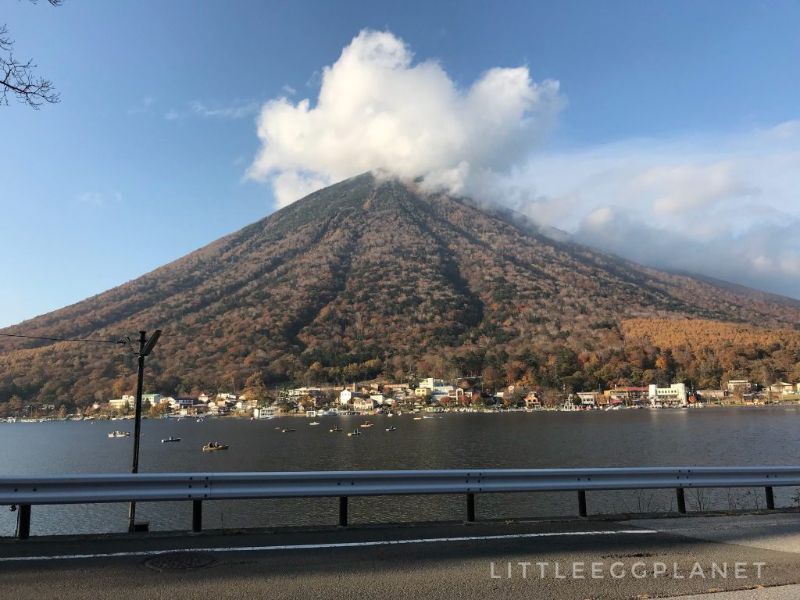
(670, 116)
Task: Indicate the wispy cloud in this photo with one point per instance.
(314, 80)
(94, 198)
(199, 109)
(726, 206)
(144, 106)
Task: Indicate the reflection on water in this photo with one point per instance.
(735, 436)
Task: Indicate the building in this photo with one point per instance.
(184, 402)
(712, 395)
(739, 386)
(532, 400)
(389, 388)
(782, 388)
(266, 412)
(363, 404)
(304, 391)
(126, 402)
(675, 394)
(345, 396)
(588, 398)
(430, 383)
(628, 395)
(153, 399)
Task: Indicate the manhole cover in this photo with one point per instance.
(180, 561)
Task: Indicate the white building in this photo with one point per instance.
(304, 391)
(153, 399)
(431, 383)
(363, 404)
(674, 394)
(588, 398)
(345, 396)
(266, 412)
(121, 403)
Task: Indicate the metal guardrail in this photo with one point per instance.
(197, 487)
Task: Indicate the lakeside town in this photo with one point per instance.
(427, 395)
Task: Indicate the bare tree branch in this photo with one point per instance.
(18, 78)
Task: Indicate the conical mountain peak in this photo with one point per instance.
(368, 277)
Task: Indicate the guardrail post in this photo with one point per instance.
(197, 515)
(770, 497)
(24, 521)
(582, 503)
(681, 500)
(342, 511)
(470, 508)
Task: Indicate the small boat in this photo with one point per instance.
(366, 425)
(392, 428)
(335, 429)
(170, 439)
(213, 446)
(354, 432)
(119, 434)
(314, 423)
(200, 420)
(418, 418)
(287, 430)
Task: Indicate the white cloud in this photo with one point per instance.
(727, 206)
(724, 206)
(378, 110)
(684, 188)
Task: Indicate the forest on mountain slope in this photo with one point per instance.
(373, 278)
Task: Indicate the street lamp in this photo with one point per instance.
(145, 347)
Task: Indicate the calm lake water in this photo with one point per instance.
(724, 436)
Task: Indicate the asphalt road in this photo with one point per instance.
(573, 559)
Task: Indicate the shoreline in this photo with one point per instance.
(426, 414)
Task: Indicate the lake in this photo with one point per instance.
(711, 436)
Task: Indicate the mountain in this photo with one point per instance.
(372, 276)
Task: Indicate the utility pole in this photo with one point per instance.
(145, 347)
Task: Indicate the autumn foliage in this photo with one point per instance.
(372, 278)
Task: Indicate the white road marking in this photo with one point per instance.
(440, 540)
